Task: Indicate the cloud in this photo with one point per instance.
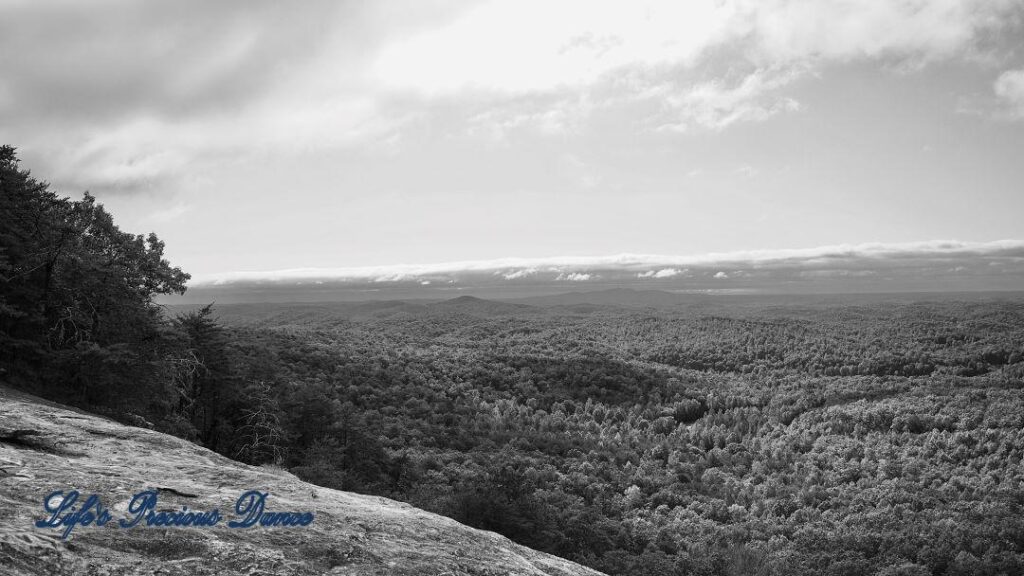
(660, 274)
(516, 274)
(848, 257)
(717, 105)
(908, 31)
(538, 46)
(126, 96)
(123, 97)
(712, 63)
(498, 124)
(1009, 88)
(720, 275)
(120, 59)
(574, 277)
(141, 154)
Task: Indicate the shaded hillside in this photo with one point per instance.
(46, 447)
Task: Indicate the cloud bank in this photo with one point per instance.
(930, 266)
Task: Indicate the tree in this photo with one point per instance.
(77, 317)
(259, 437)
(212, 384)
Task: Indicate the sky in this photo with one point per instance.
(259, 140)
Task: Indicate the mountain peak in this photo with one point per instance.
(467, 299)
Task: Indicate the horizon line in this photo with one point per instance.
(653, 266)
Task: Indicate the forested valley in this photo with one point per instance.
(883, 437)
(850, 440)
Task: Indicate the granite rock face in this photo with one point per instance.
(45, 447)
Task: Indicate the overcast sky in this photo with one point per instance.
(252, 136)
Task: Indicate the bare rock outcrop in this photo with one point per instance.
(45, 447)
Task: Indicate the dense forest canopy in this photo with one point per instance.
(843, 439)
(862, 439)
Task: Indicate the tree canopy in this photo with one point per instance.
(77, 316)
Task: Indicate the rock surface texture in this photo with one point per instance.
(46, 447)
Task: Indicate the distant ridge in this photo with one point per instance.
(578, 302)
(626, 297)
(481, 307)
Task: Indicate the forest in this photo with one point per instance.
(867, 437)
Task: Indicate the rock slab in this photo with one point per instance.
(45, 447)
